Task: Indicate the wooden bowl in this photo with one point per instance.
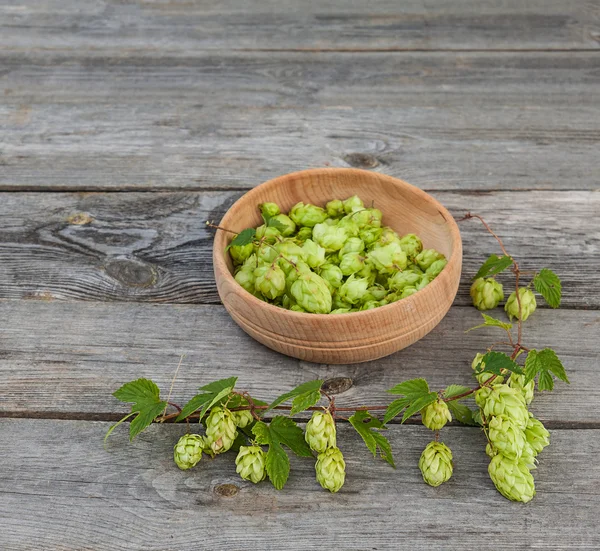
(358, 336)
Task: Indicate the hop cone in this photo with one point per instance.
(352, 204)
(353, 290)
(307, 215)
(331, 469)
(518, 383)
(332, 275)
(320, 431)
(486, 293)
(188, 451)
(269, 209)
(335, 208)
(270, 281)
(240, 253)
(504, 400)
(536, 434)
(511, 478)
(506, 437)
(311, 293)
(528, 304)
(388, 259)
(245, 277)
(242, 418)
(436, 267)
(436, 415)
(250, 463)
(331, 238)
(436, 463)
(400, 280)
(288, 226)
(411, 245)
(427, 257)
(483, 377)
(220, 430)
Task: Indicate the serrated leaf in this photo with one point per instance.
(366, 425)
(547, 284)
(284, 430)
(235, 401)
(413, 387)
(419, 404)
(300, 389)
(493, 265)
(463, 414)
(305, 401)
(477, 417)
(277, 464)
(455, 390)
(145, 416)
(544, 363)
(489, 321)
(394, 409)
(243, 238)
(213, 393)
(495, 362)
(274, 223)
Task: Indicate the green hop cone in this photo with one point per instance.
(287, 225)
(352, 245)
(511, 478)
(367, 218)
(436, 463)
(427, 257)
(242, 418)
(388, 235)
(408, 291)
(245, 277)
(506, 437)
(411, 245)
(291, 253)
(425, 280)
(353, 204)
(268, 234)
(303, 234)
(335, 208)
(307, 215)
(486, 293)
(489, 450)
(188, 451)
(250, 463)
(351, 263)
(320, 431)
(268, 210)
(518, 382)
(314, 253)
(528, 304)
(370, 235)
(332, 275)
(331, 238)
(331, 469)
(436, 415)
(241, 253)
(536, 434)
(311, 293)
(483, 377)
(400, 280)
(270, 281)
(220, 429)
(436, 267)
(388, 259)
(353, 289)
(482, 395)
(504, 400)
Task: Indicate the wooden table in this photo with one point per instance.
(125, 125)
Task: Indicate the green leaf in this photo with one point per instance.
(419, 404)
(281, 430)
(461, 413)
(274, 223)
(489, 321)
(495, 362)
(493, 265)
(477, 417)
(544, 363)
(305, 401)
(213, 393)
(366, 425)
(243, 238)
(145, 396)
(456, 390)
(235, 401)
(395, 408)
(413, 387)
(547, 284)
(309, 386)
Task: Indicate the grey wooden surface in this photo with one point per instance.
(124, 125)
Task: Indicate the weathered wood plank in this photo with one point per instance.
(61, 490)
(155, 27)
(66, 359)
(224, 120)
(155, 246)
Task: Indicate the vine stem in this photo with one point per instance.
(216, 227)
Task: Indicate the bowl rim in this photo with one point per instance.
(219, 261)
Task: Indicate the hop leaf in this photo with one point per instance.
(489, 321)
(547, 284)
(213, 393)
(417, 396)
(365, 424)
(493, 265)
(544, 363)
(495, 362)
(303, 393)
(243, 238)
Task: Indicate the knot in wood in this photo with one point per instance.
(361, 160)
(131, 272)
(337, 385)
(226, 490)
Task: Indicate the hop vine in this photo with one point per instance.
(262, 434)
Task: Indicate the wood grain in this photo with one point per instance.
(370, 334)
(61, 490)
(155, 247)
(65, 359)
(233, 120)
(155, 27)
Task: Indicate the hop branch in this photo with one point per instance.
(260, 433)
